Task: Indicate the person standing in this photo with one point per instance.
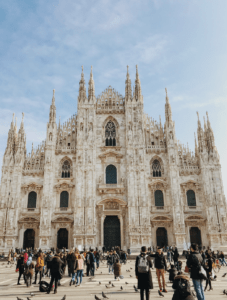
(143, 273)
(39, 267)
(194, 262)
(97, 258)
(92, 262)
(117, 270)
(56, 272)
(110, 262)
(72, 268)
(181, 286)
(175, 258)
(208, 268)
(222, 259)
(161, 267)
(88, 255)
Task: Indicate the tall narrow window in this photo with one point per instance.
(32, 196)
(159, 198)
(65, 169)
(64, 199)
(111, 174)
(191, 198)
(156, 168)
(110, 134)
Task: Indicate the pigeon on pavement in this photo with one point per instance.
(224, 275)
(97, 298)
(104, 296)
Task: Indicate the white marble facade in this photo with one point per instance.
(147, 158)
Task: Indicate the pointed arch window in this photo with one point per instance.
(191, 198)
(159, 201)
(110, 134)
(111, 174)
(65, 169)
(64, 199)
(156, 168)
(32, 196)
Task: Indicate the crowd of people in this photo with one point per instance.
(53, 264)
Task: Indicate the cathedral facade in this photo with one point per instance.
(111, 176)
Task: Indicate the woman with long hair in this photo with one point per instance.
(208, 268)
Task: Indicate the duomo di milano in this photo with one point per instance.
(112, 176)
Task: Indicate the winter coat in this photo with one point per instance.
(184, 280)
(172, 274)
(79, 264)
(193, 262)
(144, 279)
(20, 265)
(160, 261)
(175, 256)
(117, 269)
(56, 267)
(208, 267)
(72, 263)
(39, 264)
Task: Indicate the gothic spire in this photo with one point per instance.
(91, 88)
(138, 92)
(128, 87)
(52, 115)
(200, 134)
(82, 88)
(210, 135)
(168, 110)
(196, 147)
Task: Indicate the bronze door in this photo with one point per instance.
(161, 235)
(112, 234)
(62, 238)
(29, 239)
(195, 236)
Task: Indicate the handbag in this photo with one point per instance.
(17, 270)
(202, 273)
(186, 270)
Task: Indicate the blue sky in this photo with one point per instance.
(178, 44)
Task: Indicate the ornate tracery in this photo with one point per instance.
(65, 169)
(110, 134)
(156, 168)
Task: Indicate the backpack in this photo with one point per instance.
(143, 266)
(43, 286)
(184, 289)
(88, 258)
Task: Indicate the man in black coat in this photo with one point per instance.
(56, 272)
(161, 267)
(194, 263)
(143, 273)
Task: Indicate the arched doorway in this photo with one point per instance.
(112, 234)
(195, 236)
(29, 239)
(62, 238)
(161, 236)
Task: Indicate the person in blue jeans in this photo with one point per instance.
(79, 268)
(110, 262)
(194, 263)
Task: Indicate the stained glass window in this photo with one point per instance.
(32, 196)
(159, 198)
(65, 169)
(191, 198)
(110, 134)
(156, 167)
(64, 199)
(111, 174)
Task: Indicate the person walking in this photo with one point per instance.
(161, 267)
(56, 272)
(72, 268)
(20, 268)
(117, 270)
(222, 259)
(79, 269)
(143, 273)
(208, 268)
(194, 262)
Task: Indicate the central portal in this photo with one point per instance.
(62, 238)
(112, 234)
